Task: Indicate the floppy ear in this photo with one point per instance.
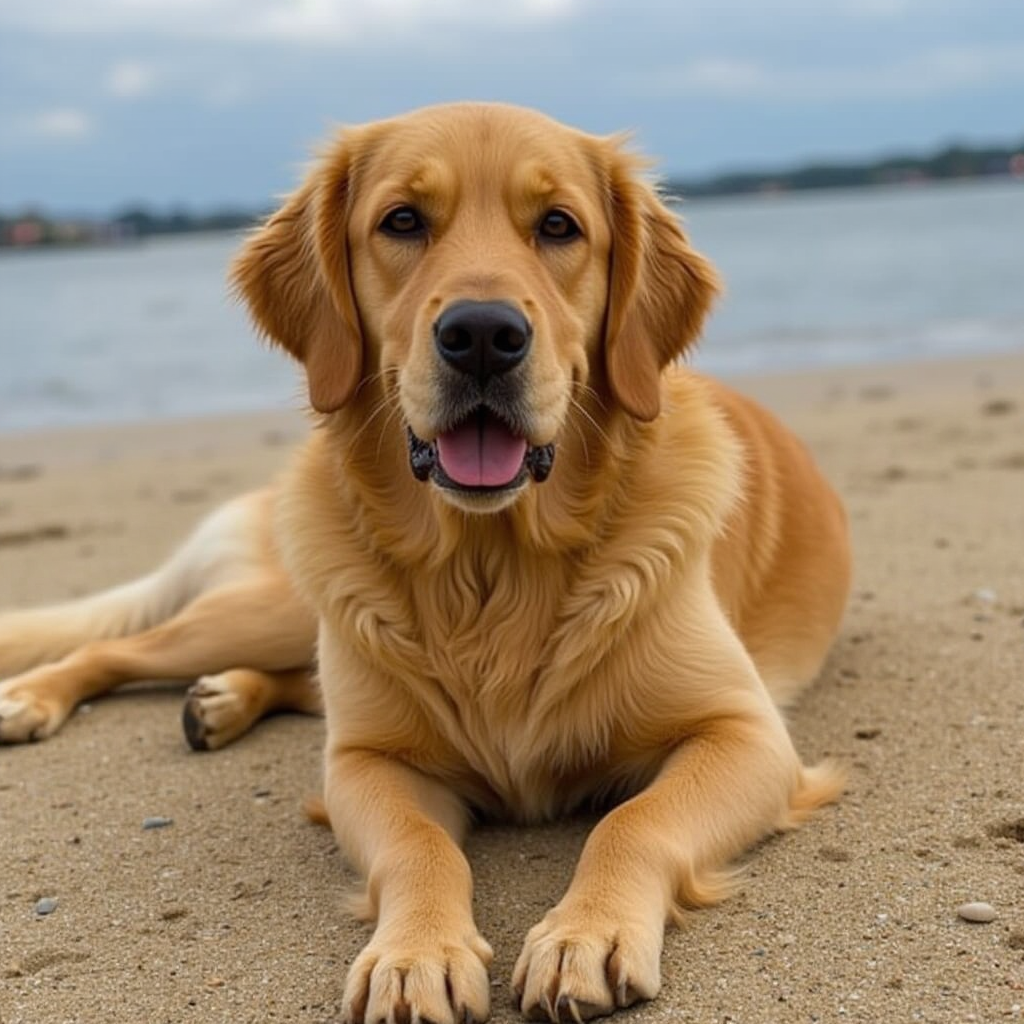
(659, 293)
(293, 274)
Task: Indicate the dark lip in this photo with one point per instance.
(426, 465)
(442, 479)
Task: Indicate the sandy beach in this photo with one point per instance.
(232, 913)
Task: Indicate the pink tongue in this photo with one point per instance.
(483, 454)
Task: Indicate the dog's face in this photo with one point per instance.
(479, 259)
(488, 268)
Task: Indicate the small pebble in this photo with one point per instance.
(157, 822)
(985, 595)
(979, 913)
(47, 905)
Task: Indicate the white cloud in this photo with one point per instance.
(932, 73)
(134, 79)
(313, 21)
(717, 76)
(130, 79)
(62, 124)
(226, 92)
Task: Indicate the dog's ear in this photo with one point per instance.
(660, 290)
(293, 273)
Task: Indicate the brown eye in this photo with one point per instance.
(558, 226)
(403, 222)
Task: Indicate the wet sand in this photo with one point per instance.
(233, 912)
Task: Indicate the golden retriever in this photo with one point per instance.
(542, 565)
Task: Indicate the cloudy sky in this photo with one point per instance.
(204, 102)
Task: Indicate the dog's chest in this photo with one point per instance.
(489, 643)
(516, 674)
(484, 631)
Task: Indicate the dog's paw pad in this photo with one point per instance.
(215, 713)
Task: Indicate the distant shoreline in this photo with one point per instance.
(38, 229)
(953, 163)
(97, 234)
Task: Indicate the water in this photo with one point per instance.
(812, 279)
(127, 333)
(831, 278)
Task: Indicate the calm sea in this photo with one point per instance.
(816, 278)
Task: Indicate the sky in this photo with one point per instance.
(205, 103)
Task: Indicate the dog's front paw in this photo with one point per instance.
(436, 980)
(26, 713)
(582, 962)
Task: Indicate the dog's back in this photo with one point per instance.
(782, 568)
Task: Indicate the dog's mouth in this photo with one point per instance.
(481, 454)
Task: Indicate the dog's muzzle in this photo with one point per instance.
(482, 446)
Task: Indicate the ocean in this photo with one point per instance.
(827, 278)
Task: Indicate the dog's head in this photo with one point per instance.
(489, 271)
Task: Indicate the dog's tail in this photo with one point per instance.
(823, 784)
(219, 547)
(316, 810)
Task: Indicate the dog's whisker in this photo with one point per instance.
(381, 405)
(577, 404)
(370, 378)
(592, 392)
(396, 410)
(579, 429)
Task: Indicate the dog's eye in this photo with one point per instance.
(403, 222)
(558, 226)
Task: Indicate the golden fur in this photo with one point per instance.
(623, 633)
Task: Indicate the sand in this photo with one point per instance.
(233, 912)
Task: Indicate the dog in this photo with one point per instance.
(543, 564)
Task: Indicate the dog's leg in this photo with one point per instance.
(36, 636)
(259, 623)
(402, 830)
(220, 708)
(733, 779)
(225, 545)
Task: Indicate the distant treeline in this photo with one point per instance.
(32, 228)
(951, 162)
(142, 222)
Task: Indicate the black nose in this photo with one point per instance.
(482, 339)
